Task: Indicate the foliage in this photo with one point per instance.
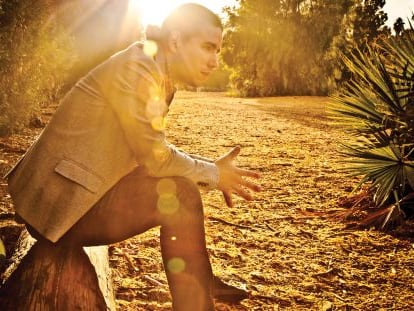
(275, 47)
(399, 26)
(293, 47)
(47, 45)
(368, 21)
(34, 58)
(377, 106)
(363, 24)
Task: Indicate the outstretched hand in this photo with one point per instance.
(231, 179)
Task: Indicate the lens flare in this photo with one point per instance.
(159, 123)
(160, 152)
(166, 185)
(176, 265)
(168, 204)
(150, 48)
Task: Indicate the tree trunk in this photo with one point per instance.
(55, 278)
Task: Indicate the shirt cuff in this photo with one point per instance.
(208, 173)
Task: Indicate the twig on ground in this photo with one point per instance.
(339, 297)
(12, 149)
(131, 264)
(153, 281)
(270, 227)
(329, 271)
(231, 224)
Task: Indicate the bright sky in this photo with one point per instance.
(154, 11)
(398, 8)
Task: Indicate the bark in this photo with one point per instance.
(49, 277)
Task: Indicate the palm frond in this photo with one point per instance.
(377, 106)
(371, 73)
(385, 167)
(402, 52)
(401, 64)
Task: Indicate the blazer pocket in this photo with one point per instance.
(79, 175)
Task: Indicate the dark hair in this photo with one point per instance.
(184, 19)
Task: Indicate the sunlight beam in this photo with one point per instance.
(152, 12)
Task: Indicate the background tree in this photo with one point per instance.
(398, 26)
(277, 47)
(368, 20)
(293, 47)
(362, 25)
(34, 59)
(47, 45)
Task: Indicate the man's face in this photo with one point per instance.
(197, 56)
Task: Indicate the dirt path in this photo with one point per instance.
(273, 246)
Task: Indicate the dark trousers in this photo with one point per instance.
(139, 202)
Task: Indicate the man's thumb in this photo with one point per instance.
(234, 152)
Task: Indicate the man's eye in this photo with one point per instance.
(209, 48)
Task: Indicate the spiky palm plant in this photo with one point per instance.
(377, 107)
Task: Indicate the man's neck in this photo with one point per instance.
(161, 59)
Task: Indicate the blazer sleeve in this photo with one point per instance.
(135, 91)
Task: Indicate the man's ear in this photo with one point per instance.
(174, 40)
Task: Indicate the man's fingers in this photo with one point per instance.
(227, 198)
(248, 173)
(244, 194)
(250, 185)
(241, 192)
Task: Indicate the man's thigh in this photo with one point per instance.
(127, 209)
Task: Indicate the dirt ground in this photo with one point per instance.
(274, 246)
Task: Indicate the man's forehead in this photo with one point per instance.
(209, 33)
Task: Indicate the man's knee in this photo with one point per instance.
(180, 210)
(178, 193)
(187, 190)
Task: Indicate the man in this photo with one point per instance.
(102, 171)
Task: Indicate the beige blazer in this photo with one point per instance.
(107, 125)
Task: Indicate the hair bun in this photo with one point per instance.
(153, 32)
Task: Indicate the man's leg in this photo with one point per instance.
(139, 202)
(183, 248)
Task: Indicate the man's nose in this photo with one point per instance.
(213, 61)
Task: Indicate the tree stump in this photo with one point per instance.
(54, 278)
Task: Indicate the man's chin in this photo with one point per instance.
(200, 82)
(196, 82)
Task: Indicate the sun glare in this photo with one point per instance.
(152, 12)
